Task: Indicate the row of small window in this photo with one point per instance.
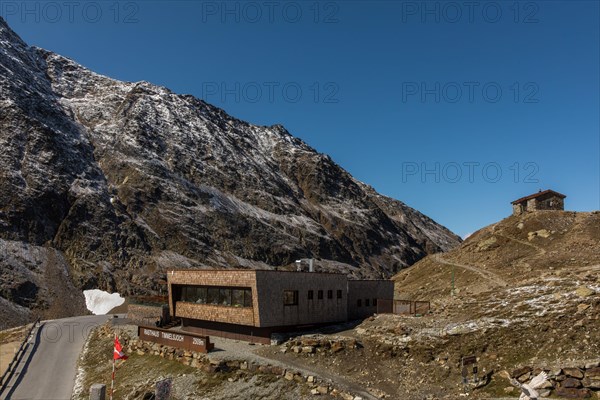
(290, 297)
(223, 296)
(368, 303)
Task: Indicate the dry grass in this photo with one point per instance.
(136, 375)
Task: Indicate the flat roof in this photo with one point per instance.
(253, 270)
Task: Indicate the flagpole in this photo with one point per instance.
(112, 382)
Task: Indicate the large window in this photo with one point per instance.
(290, 297)
(223, 296)
(339, 294)
(311, 295)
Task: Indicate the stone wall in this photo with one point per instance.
(550, 203)
(133, 345)
(518, 209)
(578, 382)
(543, 202)
(147, 314)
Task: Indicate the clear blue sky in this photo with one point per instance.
(387, 88)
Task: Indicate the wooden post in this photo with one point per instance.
(112, 382)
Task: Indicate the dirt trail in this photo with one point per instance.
(538, 248)
(486, 274)
(228, 349)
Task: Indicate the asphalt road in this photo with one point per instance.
(48, 367)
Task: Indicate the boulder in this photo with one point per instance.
(591, 383)
(592, 364)
(336, 347)
(571, 383)
(572, 393)
(582, 307)
(573, 372)
(584, 291)
(310, 342)
(547, 385)
(517, 373)
(593, 372)
(323, 389)
(210, 368)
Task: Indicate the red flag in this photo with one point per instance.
(118, 353)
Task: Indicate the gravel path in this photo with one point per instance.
(227, 349)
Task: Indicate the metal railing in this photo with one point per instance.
(16, 358)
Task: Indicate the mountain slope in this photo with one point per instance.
(518, 250)
(126, 180)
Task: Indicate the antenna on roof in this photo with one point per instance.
(311, 267)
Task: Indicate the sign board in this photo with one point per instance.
(469, 360)
(181, 340)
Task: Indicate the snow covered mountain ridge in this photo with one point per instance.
(108, 184)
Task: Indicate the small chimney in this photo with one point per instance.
(311, 267)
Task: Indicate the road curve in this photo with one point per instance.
(47, 370)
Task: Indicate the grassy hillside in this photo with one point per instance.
(513, 252)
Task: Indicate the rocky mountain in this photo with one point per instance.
(107, 184)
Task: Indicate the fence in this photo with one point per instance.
(403, 307)
(16, 359)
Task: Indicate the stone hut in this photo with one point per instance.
(543, 200)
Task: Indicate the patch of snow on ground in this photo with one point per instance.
(100, 302)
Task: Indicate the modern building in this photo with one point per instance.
(546, 200)
(253, 304)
